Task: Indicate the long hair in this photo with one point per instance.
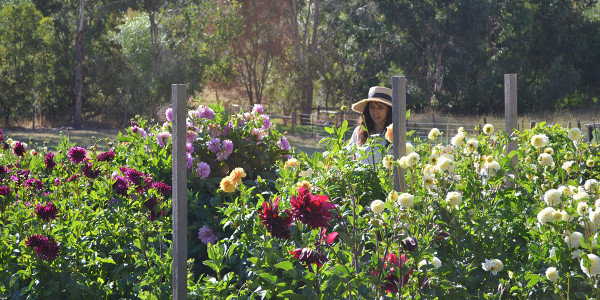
(367, 121)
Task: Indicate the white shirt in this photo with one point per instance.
(373, 154)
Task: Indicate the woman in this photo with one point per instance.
(376, 116)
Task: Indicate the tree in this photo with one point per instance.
(312, 24)
(25, 36)
(259, 44)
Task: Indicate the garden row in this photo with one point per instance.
(266, 221)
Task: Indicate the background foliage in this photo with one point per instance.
(295, 54)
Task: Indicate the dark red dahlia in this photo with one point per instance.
(49, 161)
(77, 154)
(106, 156)
(1, 136)
(3, 170)
(278, 226)
(46, 212)
(392, 281)
(153, 215)
(309, 256)
(150, 203)
(310, 209)
(120, 185)
(19, 149)
(45, 247)
(163, 188)
(90, 172)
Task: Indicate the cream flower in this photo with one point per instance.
(575, 134)
(388, 161)
(581, 195)
(488, 129)
(436, 262)
(569, 155)
(403, 162)
(392, 196)
(459, 139)
(432, 159)
(428, 179)
(433, 134)
(595, 216)
(406, 200)
(594, 267)
(445, 164)
(568, 165)
(590, 163)
(552, 197)
(549, 150)
(545, 160)
(582, 208)
(573, 240)
(490, 169)
(493, 265)
(412, 159)
(546, 215)
(472, 145)
(539, 140)
(552, 274)
(409, 148)
(377, 206)
(591, 185)
(454, 199)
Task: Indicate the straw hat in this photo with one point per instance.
(377, 94)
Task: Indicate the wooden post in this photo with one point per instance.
(569, 125)
(294, 122)
(179, 171)
(447, 133)
(33, 117)
(510, 111)
(532, 124)
(399, 121)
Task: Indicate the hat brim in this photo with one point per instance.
(359, 106)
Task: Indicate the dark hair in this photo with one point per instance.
(368, 122)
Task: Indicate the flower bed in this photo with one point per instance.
(262, 224)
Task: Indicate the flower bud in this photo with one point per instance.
(409, 244)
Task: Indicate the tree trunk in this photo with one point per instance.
(156, 53)
(77, 120)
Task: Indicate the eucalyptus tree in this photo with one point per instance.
(25, 38)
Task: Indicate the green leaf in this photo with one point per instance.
(286, 265)
(269, 277)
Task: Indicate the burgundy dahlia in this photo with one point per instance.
(163, 188)
(5, 146)
(90, 172)
(155, 215)
(77, 154)
(310, 209)
(278, 226)
(19, 149)
(45, 247)
(49, 161)
(5, 191)
(134, 176)
(34, 183)
(120, 185)
(310, 256)
(3, 170)
(1, 136)
(106, 156)
(150, 203)
(46, 212)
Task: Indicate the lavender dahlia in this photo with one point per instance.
(203, 170)
(162, 138)
(77, 154)
(206, 235)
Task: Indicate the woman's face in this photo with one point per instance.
(378, 112)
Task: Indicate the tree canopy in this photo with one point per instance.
(294, 54)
